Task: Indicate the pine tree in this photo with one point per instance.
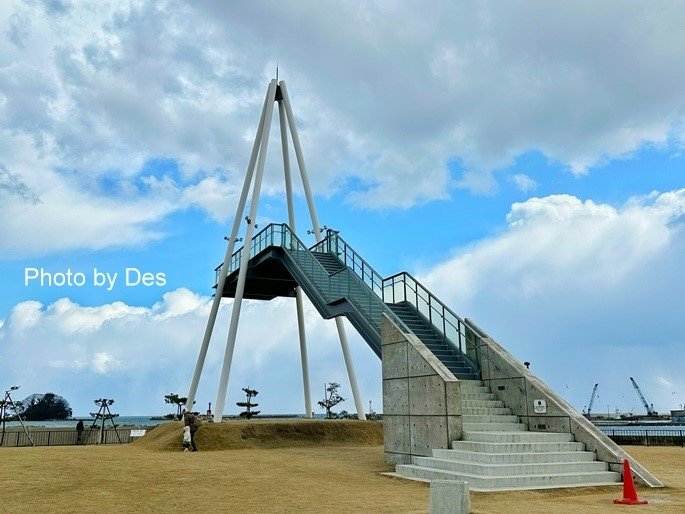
(248, 413)
(331, 399)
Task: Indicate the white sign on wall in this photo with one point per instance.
(137, 433)
(540, 406)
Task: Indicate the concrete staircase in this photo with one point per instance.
(498, 453)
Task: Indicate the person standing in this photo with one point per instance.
(190, 420)
(79, 431)
(186, 439)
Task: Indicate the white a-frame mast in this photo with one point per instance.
(276, 92)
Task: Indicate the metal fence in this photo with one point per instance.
(66, 437)
(666, 437)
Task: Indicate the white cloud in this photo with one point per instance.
(73, 318)
(218, 198)
(138, 354)
(25, 315)
(103, 363)
(384, 95)
(588, 292)
(524, 182)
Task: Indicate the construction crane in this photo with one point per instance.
(592, 401)
(650, 408)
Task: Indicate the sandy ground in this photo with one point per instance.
(136, 478)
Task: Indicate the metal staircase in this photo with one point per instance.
(339, 282)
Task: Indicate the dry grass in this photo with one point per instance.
(145, 477)
(240, 435)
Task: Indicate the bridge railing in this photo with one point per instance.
(403, 287)
(398, 288)
(345, 283)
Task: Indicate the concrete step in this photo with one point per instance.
(468, 404)
(489, 418)
(471, 397)
(470, 383)
(514, 458)
(536, 468)
(463, 376)
(517, 447)
(503, 483)
(515, 437)
(493, 427)
(475, 390)
(485, 411)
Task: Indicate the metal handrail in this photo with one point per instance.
(401, 287)
(449, 324)
(337, 285)
(335, 244)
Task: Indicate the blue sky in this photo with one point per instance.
(524, 162)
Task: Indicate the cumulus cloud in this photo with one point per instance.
(384, 95)
(137, 354)
(578, 288)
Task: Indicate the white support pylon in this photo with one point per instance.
(359, 404)
(259, 151)
(227, 260)
(242, 272)
(308, 413)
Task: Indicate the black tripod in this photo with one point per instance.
(6, 404)
(103, 414)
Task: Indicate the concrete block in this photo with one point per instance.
(544, 423)
(454, 428)
(428, 432)
(418, 365)
(396, 434)
(500, 367)
(453, 394)
(397, 458)
(535, 393)
(396, 396)
(389, 332)
(426, 396)
(449, 497)
(484, 361)
(512, 392)
(394, 360)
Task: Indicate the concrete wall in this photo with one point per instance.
(519, 389)
(421, 398)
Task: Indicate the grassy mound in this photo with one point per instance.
(234, 435)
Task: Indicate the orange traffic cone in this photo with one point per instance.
(629, 492)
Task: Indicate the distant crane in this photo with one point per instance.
(649, 407)
(592, 401)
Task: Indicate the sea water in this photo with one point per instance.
(134, 421)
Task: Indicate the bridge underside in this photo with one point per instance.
(266, 278)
